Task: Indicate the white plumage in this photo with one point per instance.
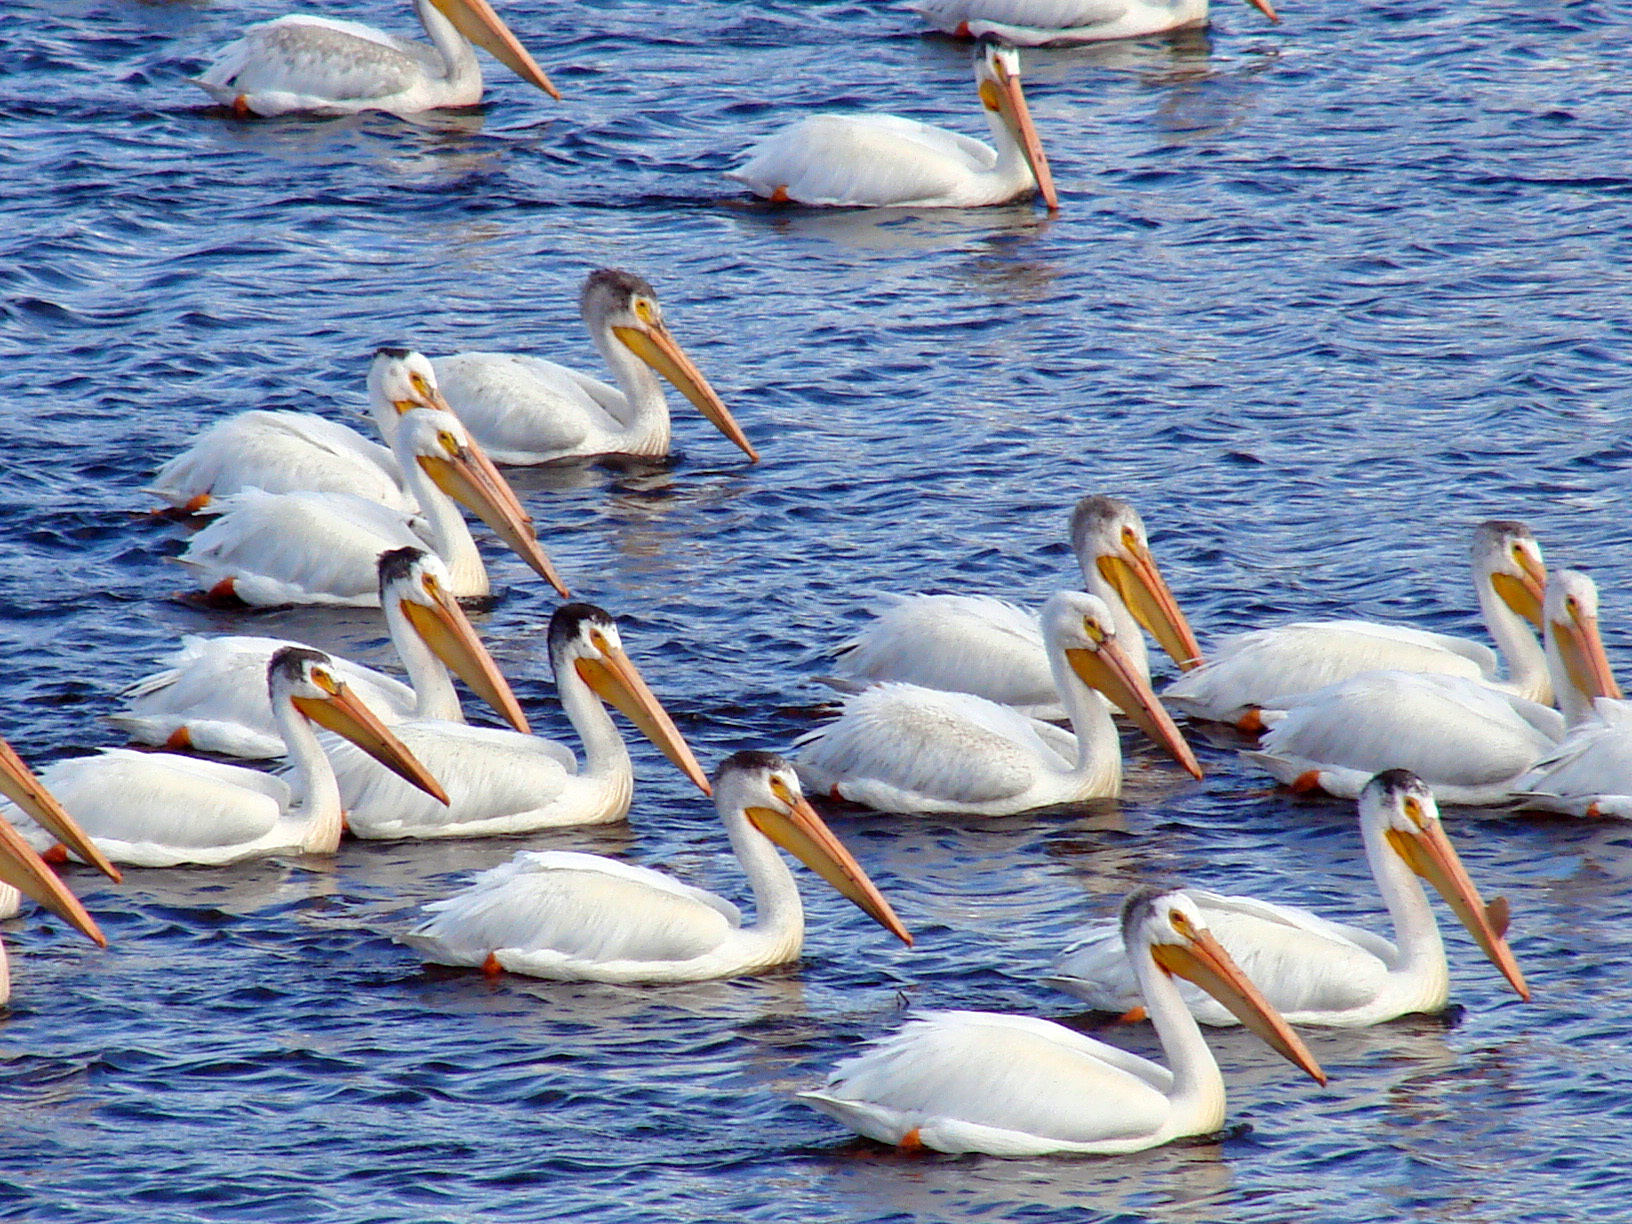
(1017, 1086)
(985, 646)
(1264, 669)
(1319, 972)
(583, 917)
(529, 410)
(902, 748)
(1044, 23)
(320, 65)
(869, 161)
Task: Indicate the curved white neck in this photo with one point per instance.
(644, 413)
(459, 66)
(1526, 661)
(449, 537)
(320, 810)
(434, 694)
(1130, 634)
(1196, 1100)
(1420, 951)
(779, 914)
(1011, 161)
(1099, 747)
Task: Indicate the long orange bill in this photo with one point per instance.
(1012, 105)
(1205, 962)
(1263, 6)
(1109, 670)
(471, 479)
(453, 639)
(477, 21)
(1143, 589)
(615, 680)
(344, 714)
(658, 349)
(18, 783)
(806, 836)
(1582, 651)
(1525, 593)
(1430, 854)
(28, 873)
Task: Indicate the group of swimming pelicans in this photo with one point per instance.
(949, 697)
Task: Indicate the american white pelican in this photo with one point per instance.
(273, 549)
(155, 809)
(1055, 23)
(286, 452)
(1254, 671)
(330, 67)
(902, 748)
(22, 871)
(1320, 972)
(501, 782)
(1470, 742)
(976, 644)
(581, 917)
(873, 161)
(528, 410)
(213, 698)
(1016, 1086)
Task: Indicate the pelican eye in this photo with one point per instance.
(645, 310)
(448, 442)
(1095, 631)
(597, 639)
(1130, 539)
(419, 382)
(1180, 923)
(430, 585)
(325, 681)
(1413, 808)
(779, 788)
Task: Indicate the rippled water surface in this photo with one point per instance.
(1321, 297)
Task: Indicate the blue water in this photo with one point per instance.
(1321, 297)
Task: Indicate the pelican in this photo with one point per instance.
(501, 782)
(288, 452)
(901, 748)
(528, 410)
(22, 871)
(976, 644)
(581, 917)
(1320, 972)
(155, 809)
(274, 549)
(212, 699)
(329, 67)
(965, 1081)
(1470, 742)
(1258, 670)
(1057, 23)
(873, 161)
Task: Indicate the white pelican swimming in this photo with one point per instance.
(213, 696)
(872, 161)
(1045, 23)
(581, 917)
(1470, 742)
(1258, 670)
(155, 809)
(967, 1081)
(273, 549)
(976, 644)
(902, 748)
(23, 872)
(330, 67)
(501, 782)
(287, 452)
(528, 410)
(1320, 972)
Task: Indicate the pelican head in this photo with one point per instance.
(1398, 805)
(764, 788)
(1170, 929)
(1108, 536)
(306, 679)
(1508, 559)
(584, 639)
(997, 77)
(400, 380)
(1570, 627)
(1081, 625)
(621, 308)
(461, 469)
(415, 583)
(477, 21)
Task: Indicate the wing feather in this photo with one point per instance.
(526, 409)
